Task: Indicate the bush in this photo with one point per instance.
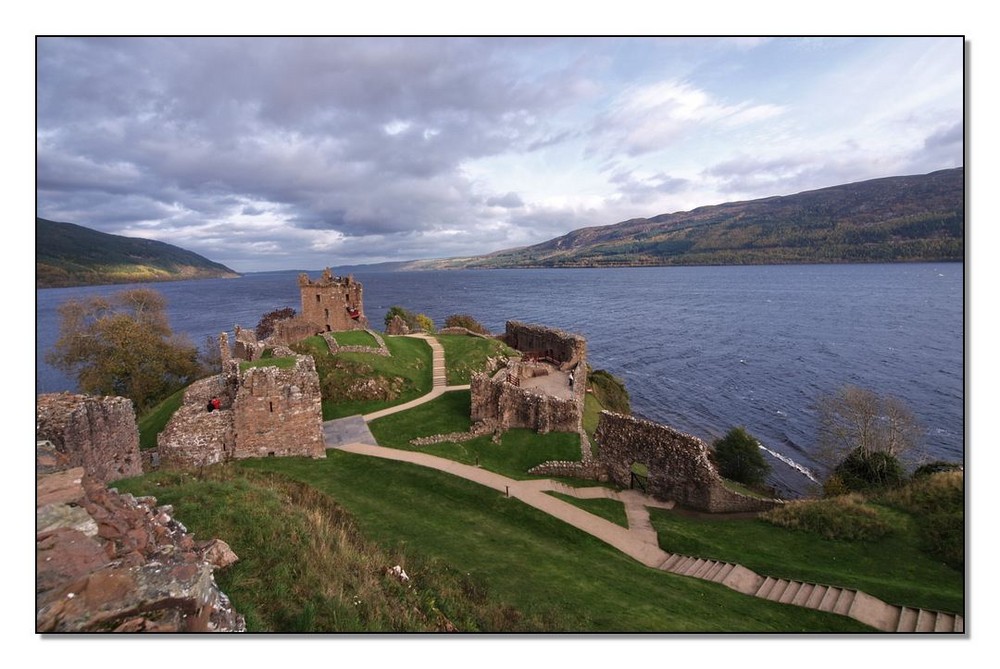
(408, 316)
(845, 518)
(424, 322)
(739, 458)
(869, 471)
(937, 501)
(936, 467)
(465, 321)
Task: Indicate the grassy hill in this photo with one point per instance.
(72, 255)
(896, 219)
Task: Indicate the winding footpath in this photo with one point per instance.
(639, 539)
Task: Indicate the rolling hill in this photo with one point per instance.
(894, 219)
(72, 255)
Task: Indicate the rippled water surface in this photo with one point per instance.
(700, 348)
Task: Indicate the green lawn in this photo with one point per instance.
(893, 568)
(608, 509)
(409, 365)
(546, 568)
(153, 422)
(518, 451)
(465, 354)
(355, 338)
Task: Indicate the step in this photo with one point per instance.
(925, 621)
(829, 599)
(694, 566)
(960, 624)
(765, 588)
(907, 620)
(778, 590)
(802, 596)
(789, 594)
(669, 563)
(843, 605)
(714, 572)
(705, 569)
(727, 568)
(945, 623)
(816, 596)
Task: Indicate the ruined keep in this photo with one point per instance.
(269, 410)
(537, 391)
(96, 433)
(333, 303)
(678, 465)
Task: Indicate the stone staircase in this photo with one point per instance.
(440, 379)
(842, 601)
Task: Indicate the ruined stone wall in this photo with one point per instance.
(330, 301)
(277, 412)
(195, 437)
(678, 464)
(246, 346)
(562, 347)
(499, 404)
(96, 433)
(109, 562)
(292, 330)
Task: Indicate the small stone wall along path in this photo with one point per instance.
(640, 542)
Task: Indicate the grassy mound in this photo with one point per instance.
(466, 354)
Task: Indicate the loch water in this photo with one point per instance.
(701, 349)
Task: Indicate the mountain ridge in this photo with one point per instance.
(890, 219)
(67, 254)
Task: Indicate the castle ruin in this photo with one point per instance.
(267, 410)
(540, 391)
(333, 303)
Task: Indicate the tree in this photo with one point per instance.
(122, 345)
(855, 418)
(864, 435)
(265, 327)
(408, 316)
(739, 458)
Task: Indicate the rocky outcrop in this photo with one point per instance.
(96, 433)
(110, 562)
(397, 326)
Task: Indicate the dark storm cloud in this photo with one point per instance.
(359, 136)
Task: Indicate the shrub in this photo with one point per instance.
(424, 322)
(935, 467)
(465, 321)
(865, 471)
(396, 310)
(937, 501)
(845, 518)
(739, 458)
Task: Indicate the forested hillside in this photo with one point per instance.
(72, 255)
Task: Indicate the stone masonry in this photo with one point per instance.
(332, 302)
(678, 465)
(110, 562)
(513, 397)
(96, 433)
(278, 412)
(266, 411)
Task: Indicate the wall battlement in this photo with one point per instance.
(334, 303)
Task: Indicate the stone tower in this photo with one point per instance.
(333, 302)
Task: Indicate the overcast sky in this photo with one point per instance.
(301, 153)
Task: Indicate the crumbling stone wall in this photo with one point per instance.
(566, 349)
(678, 464)
(397, 326)
(292, 330)
(246, 346)
(278, 412)
(499, 404)
(195, 437)
(109, 562)
(333, 301)
(96, 433)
